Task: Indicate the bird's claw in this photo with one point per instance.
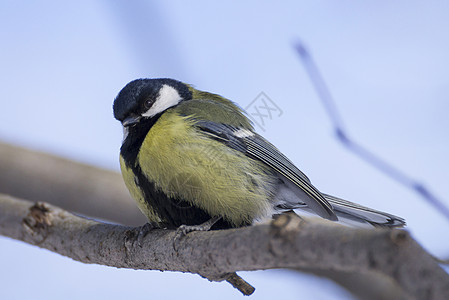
(183, 230)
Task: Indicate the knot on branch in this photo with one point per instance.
(288, 224)
(399, 236)
(37, 221)
(284, 230)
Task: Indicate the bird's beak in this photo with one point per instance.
(131, 120)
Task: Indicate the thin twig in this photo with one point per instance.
(343, 136)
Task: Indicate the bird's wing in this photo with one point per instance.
(256, 147)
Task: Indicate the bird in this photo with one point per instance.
(193, 158)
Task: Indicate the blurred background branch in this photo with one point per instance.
(77, 187)
(352, 145)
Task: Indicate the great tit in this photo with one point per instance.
(190, 157)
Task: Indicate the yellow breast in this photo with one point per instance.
(186, 164)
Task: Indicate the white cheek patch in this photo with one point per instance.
(168, 97)
(243, 133)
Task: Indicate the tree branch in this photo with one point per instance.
(288, 242)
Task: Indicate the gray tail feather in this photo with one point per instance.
(356, 212)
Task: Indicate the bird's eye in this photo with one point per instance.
(148, 103)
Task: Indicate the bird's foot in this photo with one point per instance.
(183, 230)
(136, 236)
(145, 229)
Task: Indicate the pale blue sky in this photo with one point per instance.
(387, 65)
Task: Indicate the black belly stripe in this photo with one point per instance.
(174, 212)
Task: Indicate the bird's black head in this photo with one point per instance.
(145, 98)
